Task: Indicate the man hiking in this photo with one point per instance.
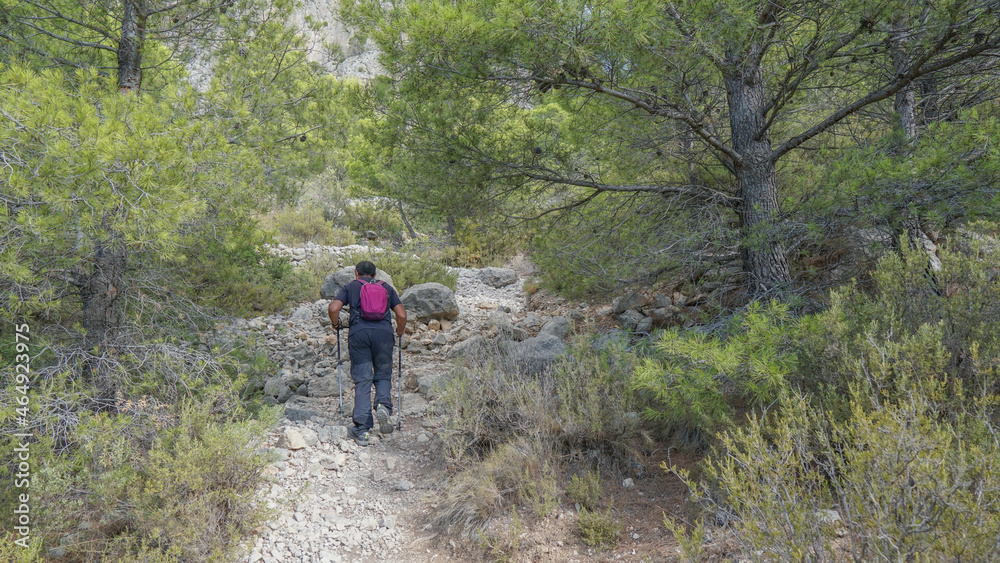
(370, 344)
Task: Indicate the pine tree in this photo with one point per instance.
(698, 102)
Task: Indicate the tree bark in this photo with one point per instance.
(101, 296)
(905, 102)
(764, 260)
(130, 45)
(409, 227)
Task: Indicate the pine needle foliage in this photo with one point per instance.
(697, 380)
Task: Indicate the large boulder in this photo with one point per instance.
(497, 277)
(427, 301)
(535, 355)
(332, 284)
(557, 326)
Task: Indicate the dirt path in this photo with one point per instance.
(337, 501)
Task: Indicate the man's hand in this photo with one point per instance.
(400, 319)
(333, 310)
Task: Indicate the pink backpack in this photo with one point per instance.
(374, 300)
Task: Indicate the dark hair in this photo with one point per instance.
(365, 268)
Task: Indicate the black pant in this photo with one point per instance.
(371, 362)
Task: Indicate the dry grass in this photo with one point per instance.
(512, 436)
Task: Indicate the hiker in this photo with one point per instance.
(370, 345)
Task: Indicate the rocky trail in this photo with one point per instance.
(335, 501)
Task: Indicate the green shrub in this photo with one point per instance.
(698, 380)
(585, 489)
(909, 326)
(905, 484)
(202, 475)
(407, 269)
(530, 287)
(377, 214)
(265, 290)
(239, 276)
(502, 542)
(16, 553)
(582, 404)
(307, 223)
(599, 528)
(152, 485)
(480, 244)
(915, 325)
(890, 424)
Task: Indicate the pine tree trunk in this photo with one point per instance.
(905, 102)
(101, 295)
(130, 45)
(764, 260)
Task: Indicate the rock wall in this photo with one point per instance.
(361, 58)
(356, 59)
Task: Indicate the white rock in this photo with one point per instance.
(309, 436)
(291, 439)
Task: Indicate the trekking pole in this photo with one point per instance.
(399, 403)
(340, 390)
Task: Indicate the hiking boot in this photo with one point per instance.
(361, 439)
(382, 416)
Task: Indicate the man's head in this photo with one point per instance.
(365, 268)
